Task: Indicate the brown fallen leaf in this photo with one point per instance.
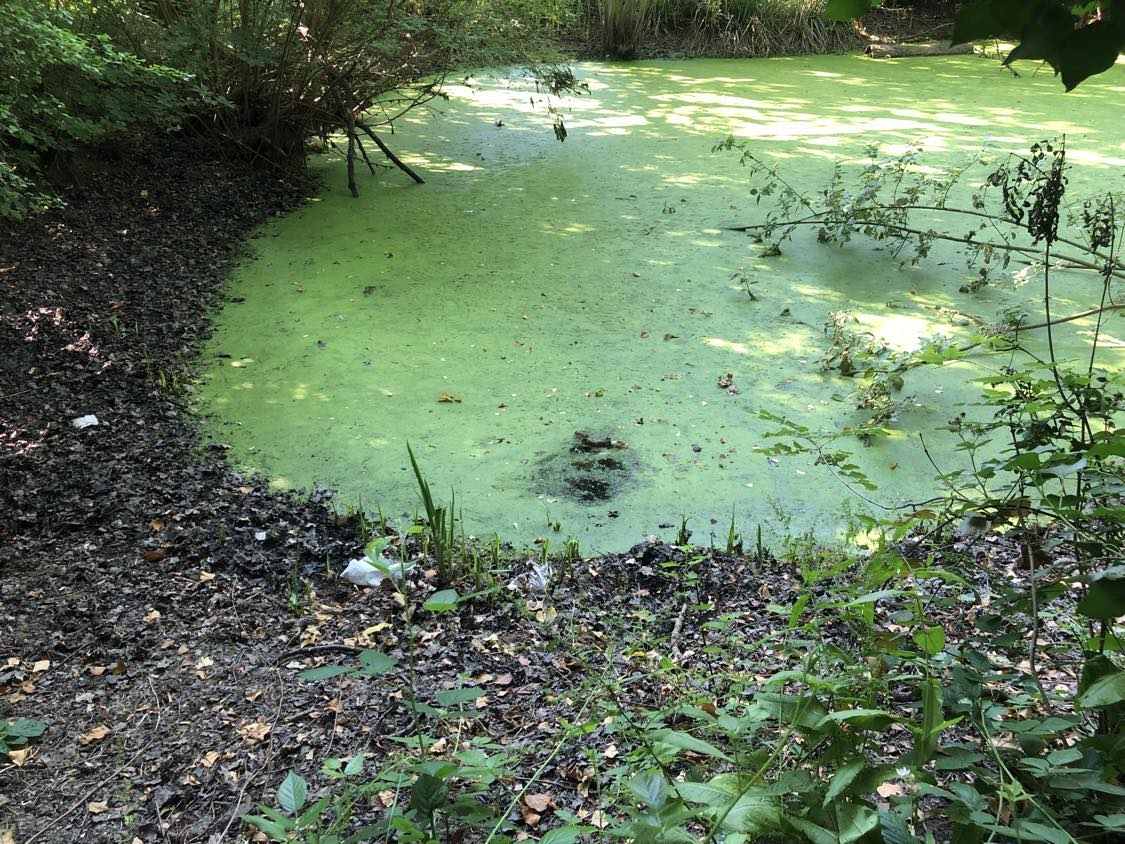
(446, 398)
(209, 759)
(205, 576)
(96, 734)
(40, 666)
(726, 380)
(19, 758)
(254, 732)
(155, 555)
(151, 616)
(96, 808)
(540, 803)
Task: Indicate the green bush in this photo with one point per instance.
(61, 90)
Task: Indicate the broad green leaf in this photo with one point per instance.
(565, 834)
(354, 766)
(455, 697)
(650, 787)
(684, 741)
(1035, 831)
(843, 778)
(274, 829)
(24, 728)
(862, 719)
(292, 792)
(854, 820)
(325, 672)
(1105, 691)
(1106, 595)
(373, 663)
(1090, 50)
(894, 828)
(428, 794)
(441, 601)
(930, 639)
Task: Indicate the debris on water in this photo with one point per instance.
(88, 421)
(725, 381)
(589, 443)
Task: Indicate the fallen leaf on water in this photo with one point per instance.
(671, 336)
(96, 734)
(446, 398)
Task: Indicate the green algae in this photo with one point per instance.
(545, 288)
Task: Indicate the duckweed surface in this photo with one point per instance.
(531, 290)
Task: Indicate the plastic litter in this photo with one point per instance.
(87, 421)
(534, 580)
(363, 571)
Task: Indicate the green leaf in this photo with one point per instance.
(372, 663)
(455, 697)
(894, 828)
(354, 766)
(1105, 598)
(26, 728)
(854, 820)
(861, 719)
(684, 741)
(846, 10)
(930, 639)
(565, 834)
(441, 601)
(1090, 50)
(325, 672)
(1105, 691)
(650, 787)
(428, 794)
(274, 829)
(1035, 831)
(292, 792)
(843, 778)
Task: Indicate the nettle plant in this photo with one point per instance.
(1043, 464)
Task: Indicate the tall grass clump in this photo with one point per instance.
(716, 27)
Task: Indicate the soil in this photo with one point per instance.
(157, 606)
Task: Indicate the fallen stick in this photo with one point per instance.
(897, 51)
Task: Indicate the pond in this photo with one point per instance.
(533, 289)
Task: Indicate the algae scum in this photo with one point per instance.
(547, 323)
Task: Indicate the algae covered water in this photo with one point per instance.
(534, 293)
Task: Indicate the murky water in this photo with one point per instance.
(546, 288)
